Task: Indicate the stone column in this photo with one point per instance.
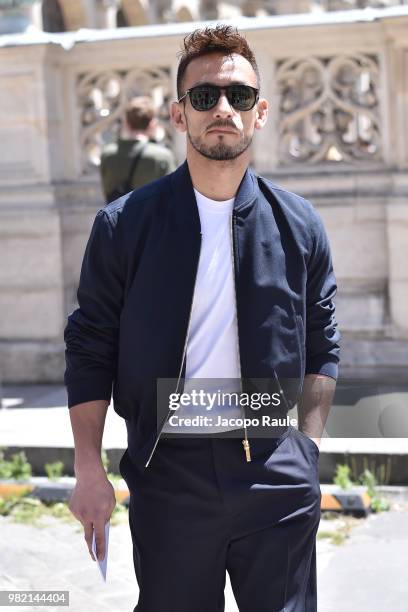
(31, 280)
(397, 209)
(106, 13)
(264, 151)
(287, 7)
(208, 9)
(250, 8)
(77, 14)
(397, 231)
(135, 12)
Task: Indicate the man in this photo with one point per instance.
(134, 160)
(210, 273)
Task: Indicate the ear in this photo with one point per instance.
(261, 113)
(177, 116)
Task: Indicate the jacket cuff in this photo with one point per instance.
(89, 390)
(322, 364)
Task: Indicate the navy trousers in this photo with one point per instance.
(200, 510)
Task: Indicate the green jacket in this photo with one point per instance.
(155, 162)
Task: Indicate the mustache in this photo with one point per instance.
(222, 124)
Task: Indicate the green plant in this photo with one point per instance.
(17, 467)
(60, 510)
(27, 510)
(342, 476)
(337, 531)
(379, 504)
(24, 509)
(369, 480)
(7, 504)
(335, 537)
(105, 460)
(114, 478)
(119, 514)
(4, 466)
(20, 467)
(382, 472)
(54, 470)
(20, 508)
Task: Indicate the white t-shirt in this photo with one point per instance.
(212, 345)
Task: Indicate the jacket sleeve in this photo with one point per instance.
(91, 333)
(322, 334)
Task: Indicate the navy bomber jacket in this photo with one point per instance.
(137, 284)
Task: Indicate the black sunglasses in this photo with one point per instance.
(205, 97)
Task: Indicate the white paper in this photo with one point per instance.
(102, 564)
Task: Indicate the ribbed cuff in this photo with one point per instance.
(322, 364)
(89, 390)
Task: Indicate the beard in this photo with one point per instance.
(220, 151)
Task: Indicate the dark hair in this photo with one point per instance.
(221, 39)
(139, 112)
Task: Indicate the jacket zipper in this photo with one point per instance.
(282, 393)
(245, 441)
(182, 360)
(280, 390)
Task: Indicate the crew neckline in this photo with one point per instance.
(219, 206)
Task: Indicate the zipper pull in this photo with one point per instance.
(245, 442)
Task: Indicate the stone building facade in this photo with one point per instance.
(71, 15)
(337, 134)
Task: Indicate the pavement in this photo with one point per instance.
(367, 573)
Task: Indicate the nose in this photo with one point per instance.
(223, 107)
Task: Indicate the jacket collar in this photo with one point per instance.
(183, 193)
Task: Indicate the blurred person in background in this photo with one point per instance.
(135, 159)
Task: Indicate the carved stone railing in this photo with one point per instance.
(101, 99)
(329, 109)
(19, 15)
(339, 5)
(337, 133)
(71, 15)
